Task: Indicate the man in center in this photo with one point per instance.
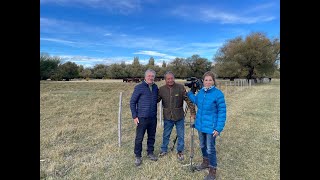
(172, 95)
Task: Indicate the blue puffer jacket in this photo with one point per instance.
(143, 102)
(211, 113)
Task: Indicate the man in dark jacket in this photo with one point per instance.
(143, 105)
(172, 95)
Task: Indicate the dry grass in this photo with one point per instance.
(79, 135)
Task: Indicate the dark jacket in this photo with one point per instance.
(143, 102)
(172, 101)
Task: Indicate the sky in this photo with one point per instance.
(90, 32)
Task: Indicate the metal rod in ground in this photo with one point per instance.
(191, 146)
(175, 139)
(192, 168)
(119, 119)
(174, 142)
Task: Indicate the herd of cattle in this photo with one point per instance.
(137, 80)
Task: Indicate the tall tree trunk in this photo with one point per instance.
(250, 74)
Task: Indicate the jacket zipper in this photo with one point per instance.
(204, 96)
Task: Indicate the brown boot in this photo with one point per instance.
(203, 165)
(212, 174)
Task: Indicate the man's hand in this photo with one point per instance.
(136, 121)
(193, 116)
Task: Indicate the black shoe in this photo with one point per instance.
(152, 157)
(138, 161)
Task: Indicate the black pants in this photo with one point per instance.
(149, 124)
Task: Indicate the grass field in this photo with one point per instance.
(79, 135)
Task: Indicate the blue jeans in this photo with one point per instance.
(149, 125)
(168, 125)
(208, 148)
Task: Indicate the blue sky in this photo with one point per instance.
(90, 32)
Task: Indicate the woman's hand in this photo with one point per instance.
(215, 133)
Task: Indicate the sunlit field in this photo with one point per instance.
(79, 135)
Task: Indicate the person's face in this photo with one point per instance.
(169, 79)
(208, 81)
(149, 77)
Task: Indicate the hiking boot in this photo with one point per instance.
(138, 161)
(203, 165)
(212, 174)
(180, 156)
(162, 154)
(152, 157)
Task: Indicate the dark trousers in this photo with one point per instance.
(149, 125)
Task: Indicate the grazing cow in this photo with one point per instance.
(136, 80)
(157, 79)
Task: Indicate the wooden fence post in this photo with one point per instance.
(160, 113)
(119, 119)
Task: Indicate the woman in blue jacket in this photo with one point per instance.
(210, 121)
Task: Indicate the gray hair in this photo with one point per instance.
(168, 72)
(150, 70)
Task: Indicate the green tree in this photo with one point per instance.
(100, 71)
(48, 65)
(198, 65)
(164, 64)
(136, 68)
(252, 57)
(151, 62)
(67, 71)
(86, 73)
(124, 69)
(151, 65)
(116, 71)
(178, 67)
(162, 70)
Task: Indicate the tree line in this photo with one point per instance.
(255, 56)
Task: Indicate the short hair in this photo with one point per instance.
(168, 72)
(150, 70)
(210, 73)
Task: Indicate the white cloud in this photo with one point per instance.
(229, 18)
(114, 6)
(261, 7)
(151, 53)
(57, 40)
(209, 14)
(103, 38)
(92, 61)
(60, 27)
(156, 54)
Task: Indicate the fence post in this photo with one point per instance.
(226, 88)
(160, 113)
(184, 106)
(119, 119)
(241, 82)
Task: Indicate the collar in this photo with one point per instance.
(207, 89)
(147, 83)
